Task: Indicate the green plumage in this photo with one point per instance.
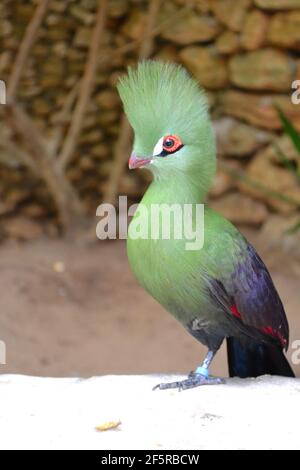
(161, 99)
(222, 290)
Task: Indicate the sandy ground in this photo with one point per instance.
(239, 415)
(73, 310)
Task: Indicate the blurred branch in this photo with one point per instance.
(148, 39)
(23, 125)
(86, 87)
(123, 143)
(121, 151)
(37, 158)
(23, 52)
(23, 156)
(66, 199)
(153, 32)
(39, 153)
(61, 120)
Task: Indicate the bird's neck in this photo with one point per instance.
(176, 190)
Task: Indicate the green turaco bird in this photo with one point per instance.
(223, 289)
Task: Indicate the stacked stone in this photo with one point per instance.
(245, 53)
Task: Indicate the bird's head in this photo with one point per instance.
(168, 113)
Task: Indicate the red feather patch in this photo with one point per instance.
(268, 330)
(235, 312)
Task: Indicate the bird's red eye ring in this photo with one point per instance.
(171, 143)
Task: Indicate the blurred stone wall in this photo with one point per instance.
(246, 54)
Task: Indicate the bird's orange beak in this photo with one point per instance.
(136, 162)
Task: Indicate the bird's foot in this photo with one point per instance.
(194, 380)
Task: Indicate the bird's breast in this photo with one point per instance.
(169, 273)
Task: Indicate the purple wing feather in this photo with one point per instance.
(250, 296)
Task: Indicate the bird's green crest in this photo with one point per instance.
(161, 98)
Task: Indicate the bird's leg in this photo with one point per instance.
(204, 368)
(199, 377)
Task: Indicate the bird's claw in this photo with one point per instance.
(193, 380)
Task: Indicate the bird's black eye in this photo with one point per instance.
(168, 143)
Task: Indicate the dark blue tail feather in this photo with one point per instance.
(256, 359)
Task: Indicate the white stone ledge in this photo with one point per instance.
(51, 413)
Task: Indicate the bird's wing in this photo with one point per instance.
(248, 294)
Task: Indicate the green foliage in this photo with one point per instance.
(289, 130)
(294, 136)
(294, 228)
(287, 164)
